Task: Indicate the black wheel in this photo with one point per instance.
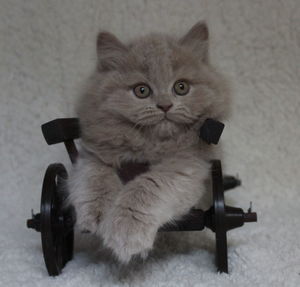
(219, 217)
(56, 223)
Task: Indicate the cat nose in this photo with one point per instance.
(165, 108)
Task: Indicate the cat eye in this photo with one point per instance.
(142, 91)
(181, 88)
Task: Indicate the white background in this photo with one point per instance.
(47, 49)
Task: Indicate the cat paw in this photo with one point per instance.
(126, 234)
(87, 221)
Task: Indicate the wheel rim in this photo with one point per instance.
(57, 238)
(219, 216)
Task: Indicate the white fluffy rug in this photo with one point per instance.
(47, 50)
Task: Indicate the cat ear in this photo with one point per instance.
(197, 40)
(110, 51)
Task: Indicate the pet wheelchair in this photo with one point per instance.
(56, 224)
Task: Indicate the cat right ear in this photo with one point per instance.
(110, 51)
(197, 40)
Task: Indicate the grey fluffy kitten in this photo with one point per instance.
(145, 102)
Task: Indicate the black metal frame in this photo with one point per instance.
(56, 223)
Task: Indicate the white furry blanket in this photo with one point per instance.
(46, 51)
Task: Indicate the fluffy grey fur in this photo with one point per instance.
(118, 126)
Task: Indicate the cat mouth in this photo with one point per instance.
(167, 119)
(171, 119)
(178, 120)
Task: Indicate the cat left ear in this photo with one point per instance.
(197, 40)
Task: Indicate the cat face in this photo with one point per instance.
(158, 82)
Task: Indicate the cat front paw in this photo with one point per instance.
(87, 217)
(127, 232)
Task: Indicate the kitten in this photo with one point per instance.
(145, 103)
